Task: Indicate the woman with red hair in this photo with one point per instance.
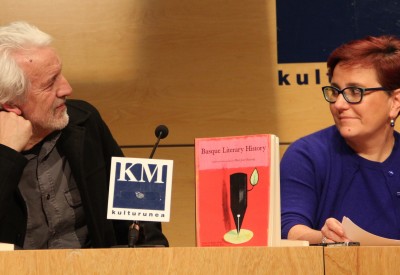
(352, 168)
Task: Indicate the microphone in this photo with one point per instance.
(161, 132)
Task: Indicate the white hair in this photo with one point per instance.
(13, 37)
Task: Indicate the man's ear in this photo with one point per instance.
(12, 108)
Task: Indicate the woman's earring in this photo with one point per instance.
(392, 122)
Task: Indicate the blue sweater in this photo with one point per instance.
(322, 177)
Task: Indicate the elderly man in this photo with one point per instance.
(55, 154)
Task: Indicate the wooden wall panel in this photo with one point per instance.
(204, 68)
(202, 71)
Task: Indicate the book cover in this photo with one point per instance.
(140, 189)
(237, 191)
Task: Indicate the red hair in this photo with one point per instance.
(381, 53)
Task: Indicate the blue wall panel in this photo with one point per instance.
(308, 30)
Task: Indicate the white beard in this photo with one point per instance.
(57, 123)
(50, 123)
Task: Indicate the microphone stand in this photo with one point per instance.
(133, 233)
(156, 144)
(134, 228)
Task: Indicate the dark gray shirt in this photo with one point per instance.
(55, 213)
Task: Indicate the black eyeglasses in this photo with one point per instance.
(350, 94)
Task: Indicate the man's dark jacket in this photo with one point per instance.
(88, 145)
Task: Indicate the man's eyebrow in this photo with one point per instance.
(50, 78)
(55, 71)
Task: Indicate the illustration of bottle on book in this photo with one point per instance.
(238, 205)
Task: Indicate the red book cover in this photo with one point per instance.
(233, 190)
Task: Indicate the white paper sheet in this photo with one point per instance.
(357, 234)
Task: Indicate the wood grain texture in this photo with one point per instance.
(202, 71)
(244, 260)
(362, 260)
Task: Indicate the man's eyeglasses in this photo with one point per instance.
(350, 94)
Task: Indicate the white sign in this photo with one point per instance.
(140, 189)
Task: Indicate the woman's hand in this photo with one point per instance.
(332, 231)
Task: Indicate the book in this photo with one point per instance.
(237, 191)
(140, 189)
